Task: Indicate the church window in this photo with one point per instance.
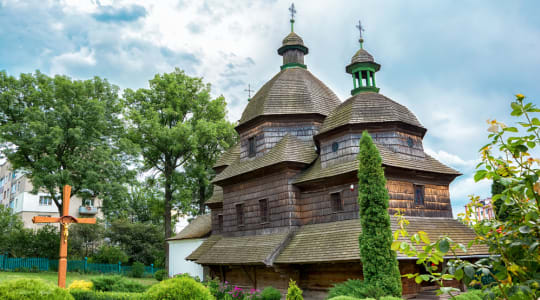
(410, 142)
(263, 208)
(337, 204)
(240, 214)
(335, 147)
(418, 194)
(220, 223)
(251, 147)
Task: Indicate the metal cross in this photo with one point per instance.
(292, 10)
(249, 90)
(360, 28)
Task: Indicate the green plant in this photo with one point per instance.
(99, 295)
(270, 293)
(110, 255)
(379, 261)
(470, 295)
(81, 285)
(116, 283)
(347, 298)
(31, 289)
(390, 298)
(137, 270)
(180, 288)
(355, 288)
(294, 292)
(161, 274)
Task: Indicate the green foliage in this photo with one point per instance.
(98, 295)
(470, 295)
(24, 242)
(499, 208)
(379, 261)
(116, 283)
(161, 274)
(179, 288)
(390, 298)
(110, 255)
(31, 289)
(346, 298)
(355, 288)
(63, 131)
(137, 269)
(294, 292)
(270, 293)
(84, 239)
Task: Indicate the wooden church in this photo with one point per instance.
(285, 197)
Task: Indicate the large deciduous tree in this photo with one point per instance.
(173, 121)
(61, 131)
(379, 262)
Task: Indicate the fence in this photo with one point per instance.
(83, 266)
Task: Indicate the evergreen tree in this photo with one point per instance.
(379, 262)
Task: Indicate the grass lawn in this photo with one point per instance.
(71, 276)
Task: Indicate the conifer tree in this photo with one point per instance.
(379, 262)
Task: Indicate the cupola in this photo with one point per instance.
(363, 68)
(293, 48)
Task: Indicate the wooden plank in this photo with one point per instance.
(41, 219)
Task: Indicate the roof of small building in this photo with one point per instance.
(228, 157)
(369, 107)
(200, 227)
(338, 241)
(291, 91)
(288, 149)
(217, 196)
(389, 158)
(362, 56)
(204, 247)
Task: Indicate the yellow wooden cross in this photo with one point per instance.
(65, 220)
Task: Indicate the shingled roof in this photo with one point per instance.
(389, 158)
(204, 247)
(293, 39)
(362, 56)
(288, 149)
(291, 91)
(338, 241)
(228, 157)
(198, 228)
(369, 107)
(217, 196)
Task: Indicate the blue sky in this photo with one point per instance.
(455, 64)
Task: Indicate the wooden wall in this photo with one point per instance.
(436, 199)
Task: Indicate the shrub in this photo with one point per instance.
(161, 274)
(270, 293)
(294, 292)
(31, 289)
(116, 283)
(110, 255)
(346, 298)
(390, 298)
(81, 285)
(470, 295)
(98, 295)
(137, 270)
(355, 288)
(180, 288)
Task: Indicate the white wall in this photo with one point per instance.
(31, 203)
(178, 251)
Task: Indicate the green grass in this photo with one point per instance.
(52, 277)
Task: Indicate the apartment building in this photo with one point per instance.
(16, 192)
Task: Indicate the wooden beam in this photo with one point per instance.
(86, 221)
(40, 219)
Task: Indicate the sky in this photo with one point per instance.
(454, 64)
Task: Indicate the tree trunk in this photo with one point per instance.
(167, 213)
(201, 197)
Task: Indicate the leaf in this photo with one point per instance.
(424, 277)
(480, 174)
(535, 121)
(424, 237)
(524, 229)
(459, 274)
(469, 271)
(444, 246)
(511, 129)
(395, 245)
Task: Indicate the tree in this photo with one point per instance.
(84, 239)
(379, 261)
(169, 122)
(61, 131)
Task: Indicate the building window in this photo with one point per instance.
(337, 204)
(263, 209)
(88, 202)
(410, 142)
(335, 146)
(220, 223)
(419, 194)
(240, 214)
(251, 147)
(45, 200)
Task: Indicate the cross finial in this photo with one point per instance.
(249, 90)
(360, 29)
(293, 12)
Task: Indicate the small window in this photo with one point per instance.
(410, 142)
(263, 209)
(220, 223)
(419, 195)
(45, 200)
(251, 147)
(335, 146)
(88, 202)
(337, 204)
(240, 214)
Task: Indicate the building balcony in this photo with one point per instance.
(87, 210)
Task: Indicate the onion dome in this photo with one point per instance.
(293, 48)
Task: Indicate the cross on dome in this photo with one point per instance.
(360, 29)
(293, 12)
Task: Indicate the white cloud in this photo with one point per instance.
(62, 63)
(451, 159)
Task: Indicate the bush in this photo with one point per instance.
(390, 298)
(161, 274)
(110, 255)
(180, 288)
(470, 295)
(294, 292)
(117, 283)
(355, 288)
(270, 293)
(98, 295)
(81, 285)
(31, 289)
(345, 298)
(137, 270)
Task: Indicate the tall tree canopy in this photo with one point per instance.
(61, 131)
(173, 121)
(379, 262)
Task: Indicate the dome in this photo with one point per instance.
(369, 107)
(291, 91)
(362, 56)
(293, 39)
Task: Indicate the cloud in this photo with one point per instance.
(80, 59)
(451, 159)
(111, 14)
